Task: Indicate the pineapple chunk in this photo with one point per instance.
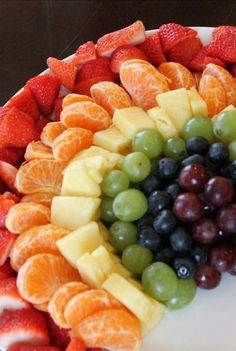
(103, 230)
(72, 212)
(163, 122)
(131, 120)
(85, 239)
(176, 104)
(111, 139)
(121, 270)
(90, 271)
(77, 181)
(198, 105)
(147, 310)
(104, 260)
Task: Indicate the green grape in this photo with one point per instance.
(122, 234)
(185, 293)
(224, 126)
(175, 148)
(114, 182)
(232, 150)
(106, 208)
(137, 166)
(130, 205)
(148, 141)
(160, 281)
(198, 126)
(136, 258)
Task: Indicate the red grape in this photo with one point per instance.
(226, 219)
(233, 270)
(205, 231)
(222, 257)
(193, 178)
(207, 277)
(188, 207)
(219, 191)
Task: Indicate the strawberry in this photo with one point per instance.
(124, 53)
(172, 34)
(6, 271)
(85, 52)
(58, 108)
(45, 89)
(185, 51)
(65, 71)
(23, 326)
(17, 129)
(25, 102)
(8, 174)
(233, 70)
(223, 44)
(10, 298)
(11, 154)
(6, 241)
(76, 344)
(5, 206)
(200, 61)
(93, 69)
(59, 337)
(41, 124)
(153, 50)
(84, 86)
(7, 195)
(23, 347)
(3, 111)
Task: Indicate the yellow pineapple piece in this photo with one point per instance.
(111, 139)
(163, 122)
(90, 271)
(198, 105)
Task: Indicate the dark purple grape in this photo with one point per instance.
(166, 254)
(207, 277)
(205, 231)
(233, 270)
(222, 257)
(200, 254)
(219, 191)
(226, 219)
(193, 178)
(188, 207)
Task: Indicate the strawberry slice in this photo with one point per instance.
(76, 344)
(93, 69)
(84, 86)
(25, 102)
(65, 71)
(153, 50)
(185, 51)
(200, 61)
(125, 53)
(8, 174)
(85, 52)
(42, 122)
(5, 206)
(59, 337)
(7, 195)
(233, 70)
(172, 34)
(23, 326)
(223, 44)
(6, 271)
(45, 89)
(11, 154)
(23, 347)
(6, 241)
(58, 108)
(131, 35)
(10, 298)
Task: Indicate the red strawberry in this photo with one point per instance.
(5, 206)
(85, 52)
(8, 174)
(6, 271)
(41, 124)
(11, 154)
(233, 70)
(23, 326)
(7, 195)
(10, 298)
(17, 129)
(23, 347)
(84, 86)
(152, 49)
(58, 108)
(93, 69)
(172, 33)
(45, 89)
(3, 111)
(76, 344)
(59, 337)
(25, 102)
(125, 53)
(185, 51)
(65, 71)
(200, 61)
(6, 241)
(223, 44)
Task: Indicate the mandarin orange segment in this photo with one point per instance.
(213, 92)
(36, 149)
(86, 114)
(143, 82)
(23, 216)
(179, 76)
(43, 307)
(51, 131)
(88, 302)
(60, 299)
(70, 142)
(72, 98)
(225, 78)
(41, 275)
(112, 329)
(40, 176)
(40, 198)
(39, 239)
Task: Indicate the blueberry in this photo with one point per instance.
(199, 254)
(218, 153)
(150, 184)
(180, 240)
(166, 254)
(193, 159)
(148, 238)
(232, 170)
(197, 145)
(167, 168)
(144, 221)
(165, 222)
(184, 267)
(173, 189)
(159, 200)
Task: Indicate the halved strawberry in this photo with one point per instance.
(59, 337)
(5, 206)
(27, 347)
(200, 61)
(45, 89)
(85, 52)
(6, 241)
(7, 195)
(23, 326)
(10, 298)
(233, 70)
(6, 271)
(25, 102)
(223, 44)
(11, 154)
(58, 108)
(84, 86)
(76, 344)
(65, 71)
(8, 174)
(185, 51)
(42, 122)
(93, 69)
(153, 50)
(125, 53)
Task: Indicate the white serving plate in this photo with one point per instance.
(209, 322)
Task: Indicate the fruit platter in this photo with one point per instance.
(118, 196)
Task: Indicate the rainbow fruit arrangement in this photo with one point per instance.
(118, 173)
